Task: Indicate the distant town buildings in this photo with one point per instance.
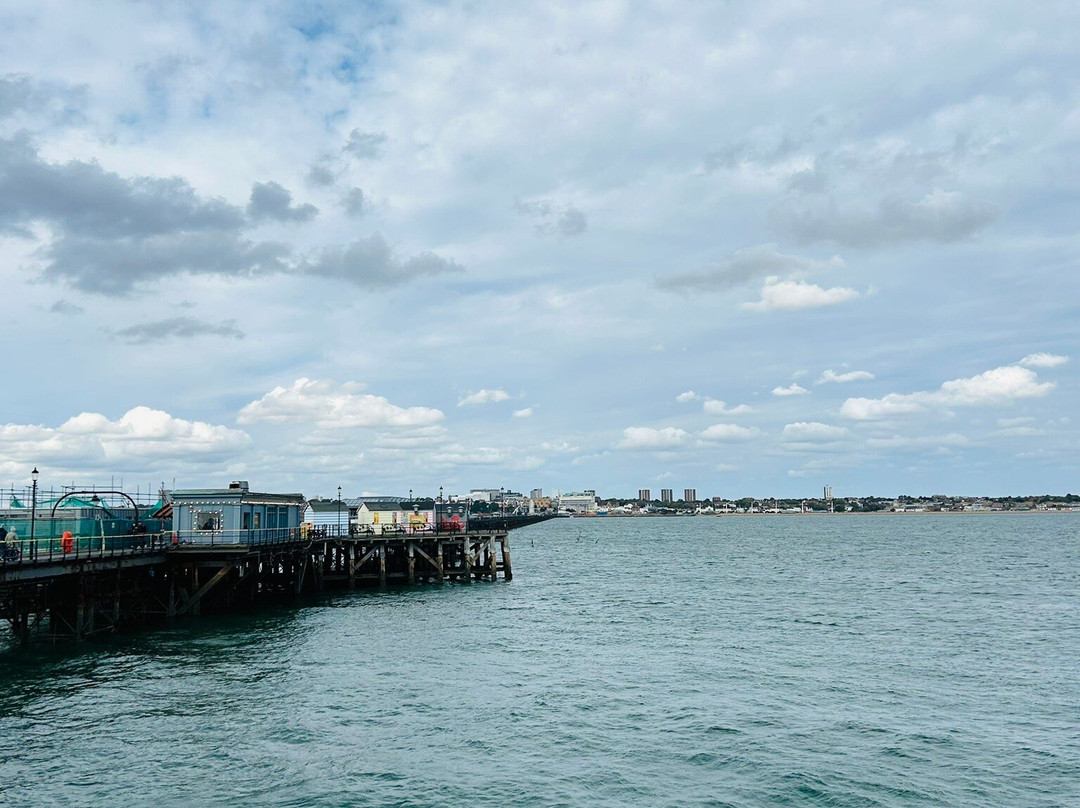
(644, 495)
(536, 493)
(689, 495)
(583, 502)
(666, 495)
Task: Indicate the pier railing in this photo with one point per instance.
(24, 551)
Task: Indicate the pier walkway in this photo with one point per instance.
(90, 586)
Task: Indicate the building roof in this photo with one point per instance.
(327, 505)
(381, 505)
(234, 495)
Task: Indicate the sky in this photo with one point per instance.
(752, 248)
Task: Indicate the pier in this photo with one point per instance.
(54, 591)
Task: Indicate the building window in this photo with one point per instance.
(207, 520)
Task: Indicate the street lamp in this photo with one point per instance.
(33, 511)
(339, 510)
(99, 507)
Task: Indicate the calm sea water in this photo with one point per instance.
(845, 661)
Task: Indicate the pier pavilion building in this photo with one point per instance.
(234, 515)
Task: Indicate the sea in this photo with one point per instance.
(769, 660)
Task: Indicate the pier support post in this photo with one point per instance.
(439, 556)
(466, 559)
(382, 564)
(351, 552)
(493, 559)
(508, 573)
(412, 564)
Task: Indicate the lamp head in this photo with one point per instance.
(34, 474)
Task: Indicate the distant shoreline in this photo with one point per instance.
(812, 513)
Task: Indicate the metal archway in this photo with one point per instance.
(56, 504)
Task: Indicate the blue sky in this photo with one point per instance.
(749, 248)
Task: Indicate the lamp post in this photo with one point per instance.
(99, 506)
(33, 511)
(339, 510)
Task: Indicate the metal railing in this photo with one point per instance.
(231, 538)
(23, 551)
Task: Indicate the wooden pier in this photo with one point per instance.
(79, 594)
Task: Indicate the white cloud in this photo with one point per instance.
(1043, 360)
(747, 264)
(830, 376)
(643, 437)
(730, 433)
(994, 387)
(333, 406)
(793, 389)
(812, 431)
(918, 442)
(143, 438)
(713, 406)
(560, 447)
(1019, 432)
(524, 413)
(1020, 420)
(778, 295)
(484, 397)
(689, 395)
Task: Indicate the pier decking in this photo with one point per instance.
(49, 593)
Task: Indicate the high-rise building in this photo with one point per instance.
(689, 495)
(644, 495)
(536, 493)
(665, 495)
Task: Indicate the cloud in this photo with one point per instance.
(793, 389)
(354, 202)
(21, 94)
(939, 216)
(64, 307)
(748, 264)
(365, 145)
(1018, 421)
(831, 377)
(177, 328)
(778, 295)
(484, 397)
(999, 386)
(553, 219)
(559, 447)
(142, 438)
(1043, 360)
(730, 433)
(904, 442)
(524, 413)
(83, 199)
(688, 396)
(643, 437)
(116, 266)
(269, 200)
(109, 233)
(372, 262)
(333, 406)
(713, 406)
(1019, 432)
(813, 432)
